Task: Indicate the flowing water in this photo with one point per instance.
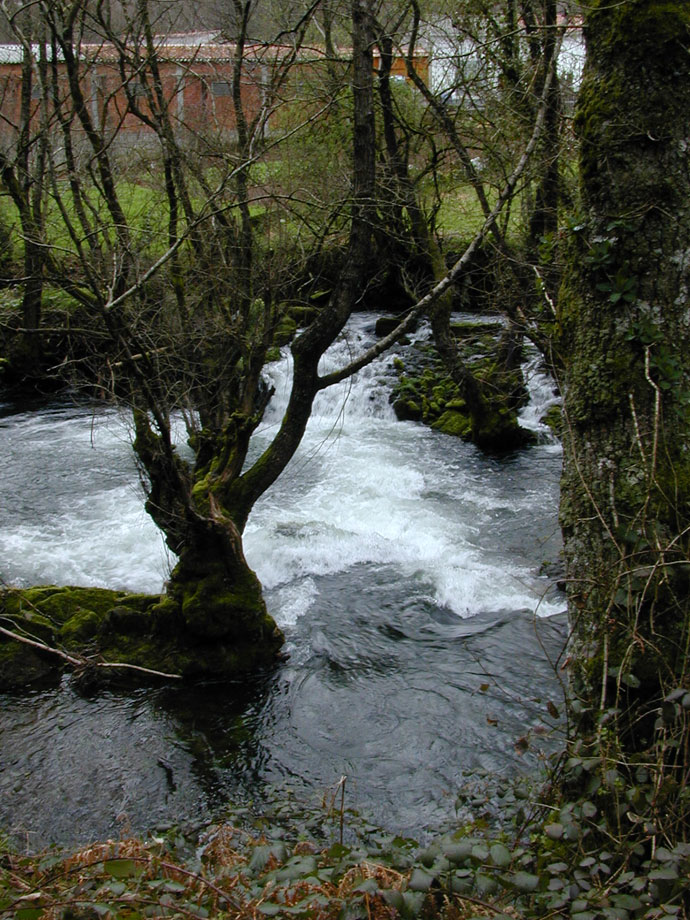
(403, 566)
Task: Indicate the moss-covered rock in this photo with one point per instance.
(22, 666)
(386, 324)
(554, 419)
(126, 619)
(81, 627)
(476, 330)
(407, 410)
(499, 430)
(302, 314)
(59, 604)
(454, 423)
(284, 331)
(273, 354)
(203, 633)
(425, 392)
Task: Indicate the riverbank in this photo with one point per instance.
(546, 859)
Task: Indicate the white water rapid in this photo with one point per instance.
(402, 564)
(366, 488)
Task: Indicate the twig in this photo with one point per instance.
(342, 806)
(77, 662)
(81, 661)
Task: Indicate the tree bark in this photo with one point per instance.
(313, 342)
(625, 320)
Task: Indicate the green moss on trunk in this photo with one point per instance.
(176, 635)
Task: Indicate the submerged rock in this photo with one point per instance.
(386, 324)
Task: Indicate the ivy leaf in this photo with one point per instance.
(368, 886)
(175, 887)
(457, 853)
(117, 888)
(120, 868)
(500, 855)
(589, 809)
(393, 898)
(525, 881)
(420, 880)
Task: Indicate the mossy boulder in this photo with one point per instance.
(386, 324)
(425, 392)
(407, 410)
(126, 619)
(273, 354)
(22, 666)
(301, 314)
(81, 627)
(499, 430)
(554, 419)
(72, 620)
(59, 604)
(454, 423)
(204, 633)
(476, 330)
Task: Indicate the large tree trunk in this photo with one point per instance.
(626, 338)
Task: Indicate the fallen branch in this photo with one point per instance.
(81, 662)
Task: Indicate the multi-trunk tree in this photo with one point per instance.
(184, 311)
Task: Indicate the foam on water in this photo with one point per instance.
(72, 505)
(363, 489)
(543, 395)
(360, 490)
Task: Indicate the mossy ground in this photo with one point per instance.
(97, 625)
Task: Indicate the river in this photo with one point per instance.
(403, 566)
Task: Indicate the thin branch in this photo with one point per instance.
(81, 662)
(439, 289)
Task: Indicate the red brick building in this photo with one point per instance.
(196, 79)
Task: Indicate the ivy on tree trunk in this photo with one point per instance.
(625, 323)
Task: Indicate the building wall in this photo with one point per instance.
(196, 84)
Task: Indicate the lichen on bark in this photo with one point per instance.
(625, 338)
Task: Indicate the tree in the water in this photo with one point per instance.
(500, 79)
(178, 307)
(625, 318)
